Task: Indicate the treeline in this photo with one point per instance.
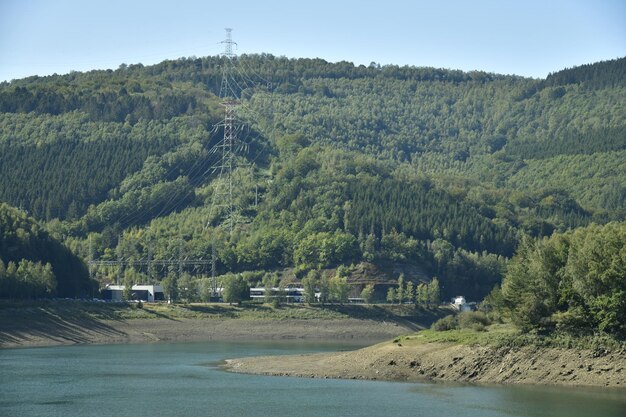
(605, 74)
(572, 282)
(36, 264)
(27, 280)
(128, 104)
(285, 75)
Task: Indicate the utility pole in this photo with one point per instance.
(119, 259)
(213, 268)
(149, 263)
(90, 263)
(180, 258)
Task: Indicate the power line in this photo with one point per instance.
(224, 159)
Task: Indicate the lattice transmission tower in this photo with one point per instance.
(222, 204)
(222, 201)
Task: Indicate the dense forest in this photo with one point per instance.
(571, 281)
(438, 171)
(35, 265)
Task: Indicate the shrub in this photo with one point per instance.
(478, 327)
(444, 324)
(473, 320)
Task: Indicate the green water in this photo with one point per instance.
(183, 380)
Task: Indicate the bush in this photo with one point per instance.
(476, 320)
(478, 327)
(446, 323)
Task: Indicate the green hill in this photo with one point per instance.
(342, 164)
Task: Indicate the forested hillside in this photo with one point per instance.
(35, 265)
(339, 164)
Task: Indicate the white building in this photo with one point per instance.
(290, 295)
(137, 292)
(460, 304)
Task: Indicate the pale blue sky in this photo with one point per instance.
(524, 37)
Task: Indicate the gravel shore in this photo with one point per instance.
(450, 362)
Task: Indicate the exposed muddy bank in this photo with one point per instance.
(65, 332)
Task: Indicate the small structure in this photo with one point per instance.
(289, 294)
(148, 293)
(460, 304)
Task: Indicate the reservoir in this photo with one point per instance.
(184, 380)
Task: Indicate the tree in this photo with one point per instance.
(434, 293)
(205, 289)
(531, 285)
(409, 292)
(4, 281)
(324, 286)
(368, 247)
(367, 294)
(310, 283)
(47, 281)
(323, 249)
(339, 289)
(443, 251)
(596, 268)
(400, 292)
(187, 288)
(170, 286)
(235, 289)
(270, 282)
(421, 295)
(391, 295)
(127, 294)
(572, 281)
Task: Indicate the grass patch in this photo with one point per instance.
(496, 334)
(507, 335)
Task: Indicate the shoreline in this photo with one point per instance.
(446, 362)
(67, 322)
(406, 358)
(167, 330)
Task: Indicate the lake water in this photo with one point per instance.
(183, 380)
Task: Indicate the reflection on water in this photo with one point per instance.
(183, 380)
(529, 400)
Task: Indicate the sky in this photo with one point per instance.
(523, 37)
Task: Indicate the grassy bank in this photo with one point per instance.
(506, 335)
